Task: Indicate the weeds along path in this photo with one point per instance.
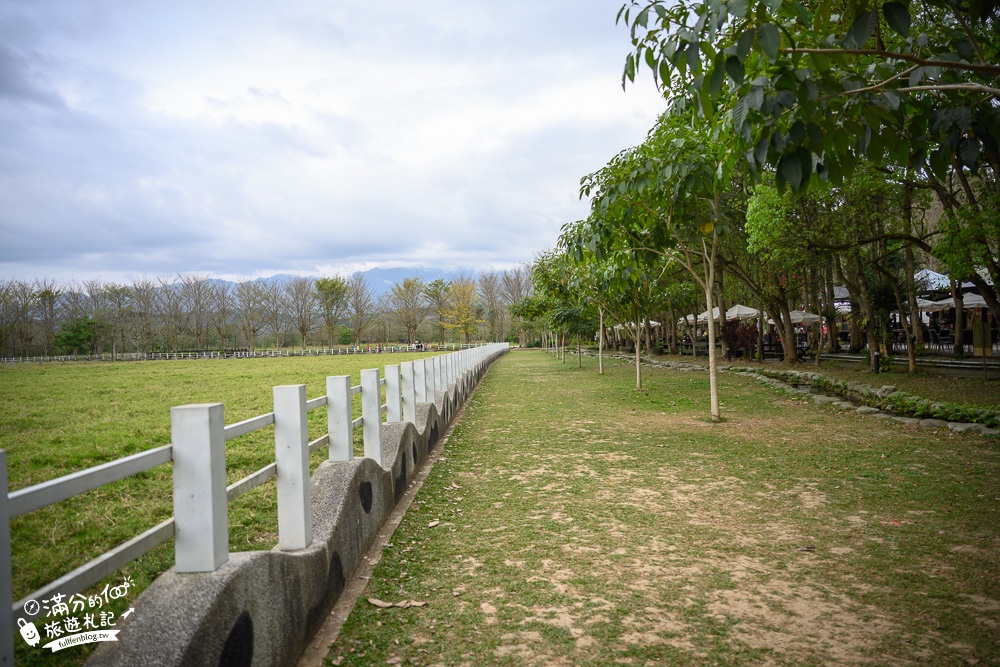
(573, 521)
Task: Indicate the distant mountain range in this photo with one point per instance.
(381, 280)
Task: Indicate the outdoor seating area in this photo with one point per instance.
(938, 313)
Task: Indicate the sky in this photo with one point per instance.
(245, 139)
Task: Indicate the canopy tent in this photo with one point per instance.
(801, 317)
(737, 312)
(968, 301)
(702, 316)
(931, 281)
(741, 312)
(652, 324)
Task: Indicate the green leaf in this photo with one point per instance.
(769, 40)
(706, 105)
(734, 68)
(738, 8)
(969, 149)
(773, 5)
(694, 58)
(790, 169)
(861, 30)
(819, 61)
(629, 72)
(755, 97)
(898, 17)
(745, 43)
(740, 112)
(717, 78)
(642, 17)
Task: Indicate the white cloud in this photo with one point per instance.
(316, 137)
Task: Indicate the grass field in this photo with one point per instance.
(573, 521)
(60, 418)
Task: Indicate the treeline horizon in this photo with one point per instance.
(45, 317)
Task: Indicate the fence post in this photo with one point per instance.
(291, 453)
(371, 413)
(6, 585)
(393, 407)
(409, 393)
(429, 379)
(338, 417)
(439, 382)
(201, 516)
(420, 381)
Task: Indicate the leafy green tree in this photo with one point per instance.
(812, 85)
(463, 312)
(77, 336)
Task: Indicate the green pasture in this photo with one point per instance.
(59, 418)
(573, 521)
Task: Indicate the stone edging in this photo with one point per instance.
(885, 402)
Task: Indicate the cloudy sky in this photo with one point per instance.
(243, 139)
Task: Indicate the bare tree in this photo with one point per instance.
(275, 311)
(438, 295)
(197, 293)
(491, 299)
(407, 305)
(170, 308)
(7, 316)
(302, 306)
(515, 285)
(382, 322)
(21, 298)
(331, 294)
(251, 310)
(221, 313)
(97, 309)
(144, 296)
(47, 310)
(118, 319)
(360, 305)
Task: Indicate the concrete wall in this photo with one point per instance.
(262, 607)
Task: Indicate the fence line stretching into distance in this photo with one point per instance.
(200, 526)
(234, 354)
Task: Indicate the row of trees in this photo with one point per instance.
(806, 143)
(41, 317)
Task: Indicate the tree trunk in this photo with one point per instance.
(648, 333)
(713, 361)
(956, 290)
(638, 359)
(600, 343)
(915, 332)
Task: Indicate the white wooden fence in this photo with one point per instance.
(200, 525)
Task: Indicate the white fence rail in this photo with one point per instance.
(200, 526)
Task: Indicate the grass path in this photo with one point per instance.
(573, 521)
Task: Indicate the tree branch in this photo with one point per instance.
(973, 87)
(948, 64)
